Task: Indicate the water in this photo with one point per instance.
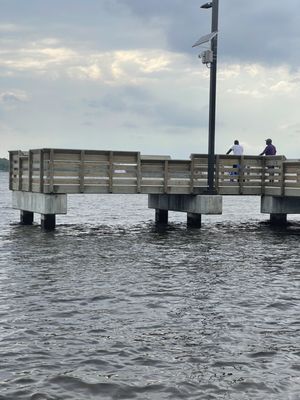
(110, 307)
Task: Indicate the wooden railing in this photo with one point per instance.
(91, 171)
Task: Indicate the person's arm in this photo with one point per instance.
(229, 151)
(261, 154)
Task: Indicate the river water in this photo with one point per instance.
(110, 307)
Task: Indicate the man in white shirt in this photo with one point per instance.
(237, 151)
(236, 148)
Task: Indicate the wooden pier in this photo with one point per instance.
(62, 172)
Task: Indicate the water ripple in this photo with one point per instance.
(111, 307)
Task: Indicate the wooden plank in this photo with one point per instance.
(67, 157)
(124, 175)
(124, 159)
(152, 166)
(97, 181)
(154, 157)
(175, 166)
(290, 185)
(272, 191)
(153, 175)
(152, 182)
(65, 174)
(180, 175)
(179, 190)
(152, 189)
(124, 182)
(99, 158)
(124, 190)
(249, 178)
(251, 191)
(61, 181)
(292, 192)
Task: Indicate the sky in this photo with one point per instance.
(122, 75)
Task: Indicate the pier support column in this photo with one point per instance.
(48, 222)
(48, 205)
(278, 219)
(193, 220)
(278, 208)
(193, 205)
(161, 217)
(26, 217)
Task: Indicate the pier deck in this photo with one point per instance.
(91, 171)
(40, 180)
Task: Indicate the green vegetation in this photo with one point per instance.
(4, 164)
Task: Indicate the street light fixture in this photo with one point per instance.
(213, 38)
(207, 5)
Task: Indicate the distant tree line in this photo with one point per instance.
(4, 164)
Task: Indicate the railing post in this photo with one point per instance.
(192, 176)
(217, 172)
(138, 173)
(241, 174)
(30, 171)
(110, 171)
(166, 176)
(51, 170)
(20, 171)
(81, 172)
(41, 171)
(11, 169)
(282, 183)
(263, 176)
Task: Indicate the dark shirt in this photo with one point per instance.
(270, 150)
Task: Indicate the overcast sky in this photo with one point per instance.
(122, 75)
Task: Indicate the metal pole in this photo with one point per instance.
(212, 100)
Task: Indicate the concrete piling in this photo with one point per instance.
(161, 217)
(193, 220)
(48, 222)
(26, 217)
(193, 205)
(48, 205)
(278, 219)
(278, 207)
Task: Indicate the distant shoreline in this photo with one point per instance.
(4, 164)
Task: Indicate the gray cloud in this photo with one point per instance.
(140, 103)
(262, 31)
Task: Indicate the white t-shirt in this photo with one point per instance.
(237, 149)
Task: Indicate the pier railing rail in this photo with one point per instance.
(93, 171)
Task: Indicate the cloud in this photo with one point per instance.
(116, 73)
(13, 97)
(8, 28)
(34, 57)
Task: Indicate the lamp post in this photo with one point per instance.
(214, 5)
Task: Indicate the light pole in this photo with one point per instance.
(214, 5)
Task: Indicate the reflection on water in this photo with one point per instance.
(110, 307)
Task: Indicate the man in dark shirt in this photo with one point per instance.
(270, 149)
